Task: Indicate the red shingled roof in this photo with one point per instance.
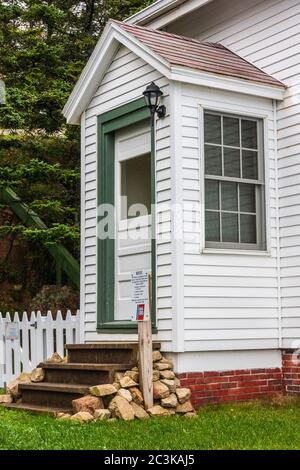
(204, 56)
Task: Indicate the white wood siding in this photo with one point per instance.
(230, 299)
(124, 81)
(267, 33)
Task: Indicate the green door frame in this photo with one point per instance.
(107, 124)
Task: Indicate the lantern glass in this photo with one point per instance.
(152, 95)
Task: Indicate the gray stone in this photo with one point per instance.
(127, 382)
(183, 394)
(170, 384)
(125, 393)
(102, 415)
(87, 403)
(103, 390)
(55, 359)
(139, 411)
(133, 375)
(121, 409)
(155, 375)
(162, 366)
(184, 408)
(82, 417)
(37, 375)
(6, 399)
(13, 387)
(167, 374)
(137, 395)
(160, 390)
(169, 402)
(158, 410)
(156, 356)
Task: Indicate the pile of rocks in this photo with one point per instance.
(123, 398)
(37, 375)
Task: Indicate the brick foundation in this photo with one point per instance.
(243, 385)
(291, 373)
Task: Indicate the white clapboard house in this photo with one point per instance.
(221, 163)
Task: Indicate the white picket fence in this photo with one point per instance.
(26, 340)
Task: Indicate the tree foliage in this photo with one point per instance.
(44, 46)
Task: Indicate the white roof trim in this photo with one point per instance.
(93, 72)
(224, 82)
(112, 36)
(163, 12)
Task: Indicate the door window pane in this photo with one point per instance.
(247, 198)
(249, 134)
(212, 130)
(212, 226)
(231, 131)
(213, 160)
(136, 186)
(250, 171)
(248, 228)
(230, 228)
(229, 196)
(212, 194)
(232, 163)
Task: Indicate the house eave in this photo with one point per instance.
(163, 12)
(227, 83)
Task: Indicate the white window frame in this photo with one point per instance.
(261, 248)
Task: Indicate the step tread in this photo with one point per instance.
(108, 345)
(37, 408)
(87, 366)
(56, 387)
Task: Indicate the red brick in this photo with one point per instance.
(211, 374)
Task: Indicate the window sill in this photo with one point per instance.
(220, 251)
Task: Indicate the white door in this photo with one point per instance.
(133, 201)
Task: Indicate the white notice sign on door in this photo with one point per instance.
(140, 296)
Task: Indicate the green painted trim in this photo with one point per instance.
(108, 123)
(64, 260)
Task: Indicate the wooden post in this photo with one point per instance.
(145, 355)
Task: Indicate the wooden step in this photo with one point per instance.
(76, 373)
(36, 409)
(52, 395)
(105, 352)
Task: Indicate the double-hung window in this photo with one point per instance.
(234, 182)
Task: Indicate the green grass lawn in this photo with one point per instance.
(247, 426)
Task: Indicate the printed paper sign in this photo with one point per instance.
(12, 331)
(140, 296)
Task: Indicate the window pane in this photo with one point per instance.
(249, 134)
(247, 198)
(211, 194)
(230, 230)
(232, 163)
(231, 131)
(229, 196)
(136, 185)
(250, 165)
(248, 228)
(212, 226)
(212, 129)
(213, 160)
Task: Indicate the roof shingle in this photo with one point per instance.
(204, 56)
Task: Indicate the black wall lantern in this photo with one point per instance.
(152, 96)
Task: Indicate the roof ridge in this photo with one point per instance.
(166, 33)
